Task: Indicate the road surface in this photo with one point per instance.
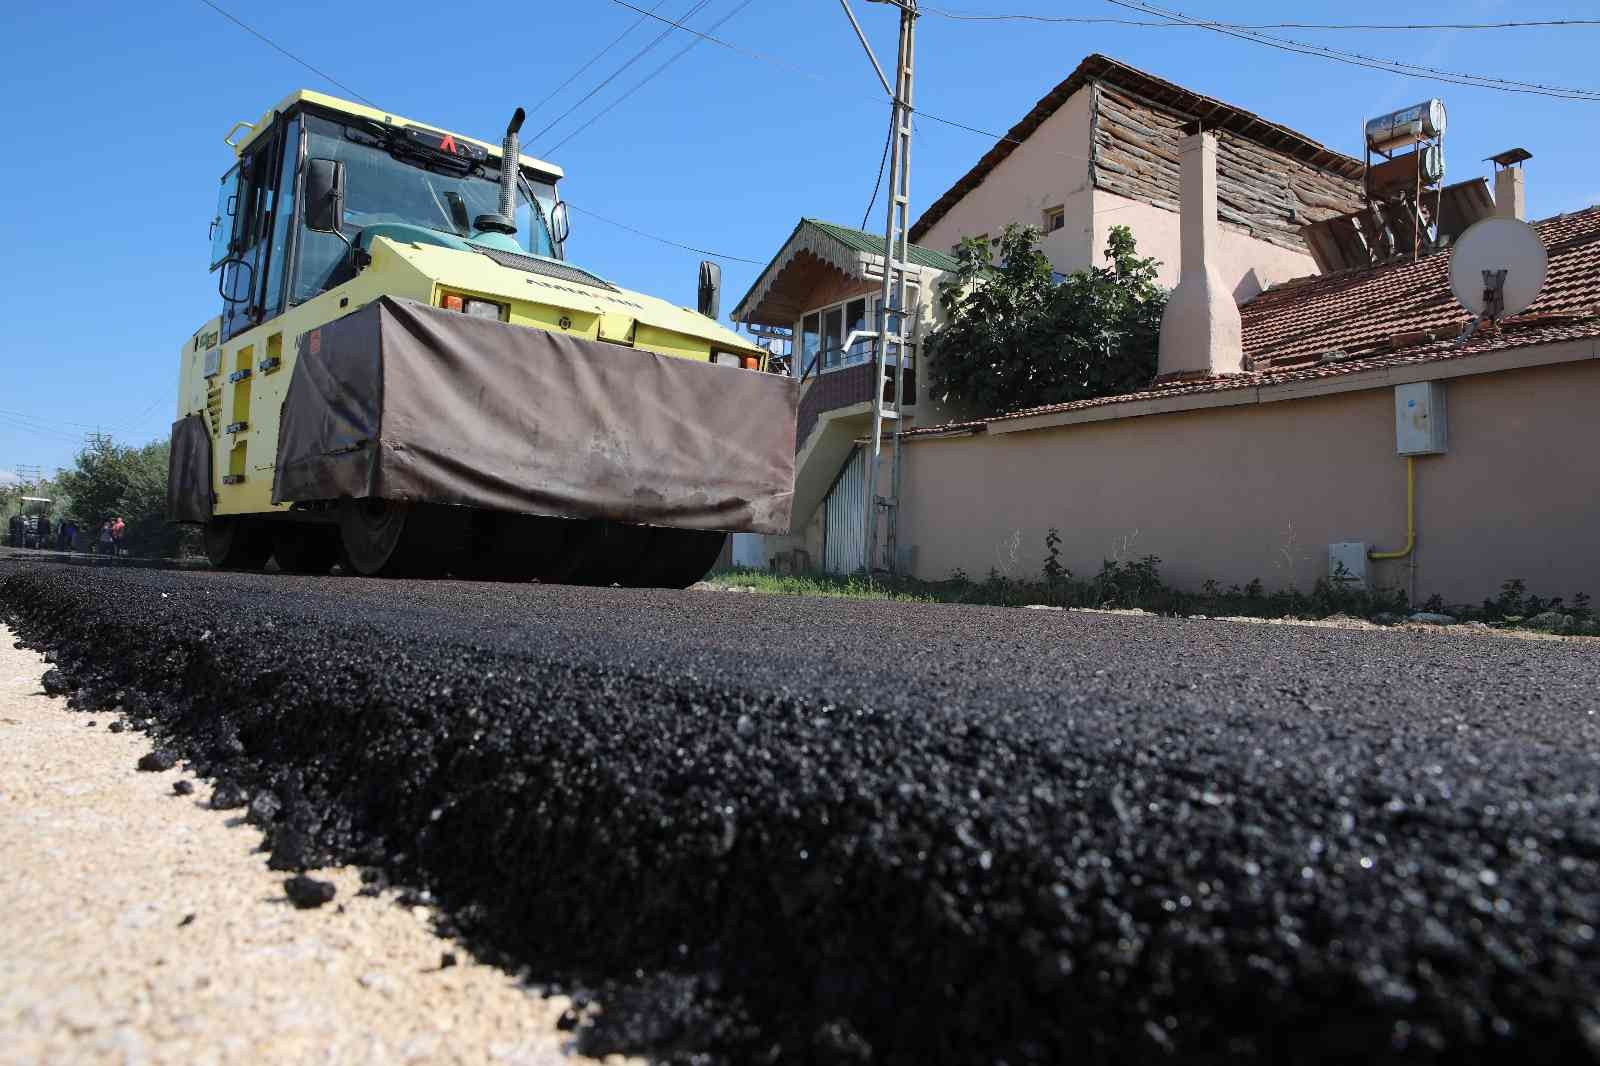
(138, 927)
(757, 828)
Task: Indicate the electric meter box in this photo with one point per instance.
(1347, 564)
(1419, 420)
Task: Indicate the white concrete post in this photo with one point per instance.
(1200, 331)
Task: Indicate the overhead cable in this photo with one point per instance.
(1389, 66)
(876, 185)
(647, 79)
(575, 75)
(729, 45)
(614, 75)
(664, 240)
(276, 46)
(1092, 20)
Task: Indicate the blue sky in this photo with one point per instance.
(116, 112)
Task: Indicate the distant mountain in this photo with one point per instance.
(8, 477)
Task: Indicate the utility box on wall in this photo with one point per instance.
(1419, 419)
(1347, 563)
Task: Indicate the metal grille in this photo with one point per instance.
(845, 518)
(550, 268)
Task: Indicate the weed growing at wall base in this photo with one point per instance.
(1136, 584)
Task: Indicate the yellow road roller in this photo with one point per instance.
(409, 377)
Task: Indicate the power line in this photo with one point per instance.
(883, 159)
(9, 422)
(640, 54)
(273, 44)
(1389, 66)
(915, 111)
(729, 45)
(635, 24)
(968, 16)
(664, 240)
(43, 420)
(647, 79)
(139, 419)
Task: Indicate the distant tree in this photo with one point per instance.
(111, 480)
(1015, 337)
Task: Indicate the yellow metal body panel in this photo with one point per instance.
(541, 301)
(251, 452)
(333, 103)
(417, 272)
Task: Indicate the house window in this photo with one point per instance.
(832, 336)
(844, 334)
(1054, 218)
(810, 342)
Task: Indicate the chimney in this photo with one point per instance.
(1200, 333)
(1510, 194)
(1510, 186)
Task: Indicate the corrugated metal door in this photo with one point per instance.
(846, 517)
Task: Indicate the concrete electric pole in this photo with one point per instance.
(892, 309)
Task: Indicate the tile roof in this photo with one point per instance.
(1096, 67)
(1400, 314)
(1362, 309)
(872, 244)
(851, 251)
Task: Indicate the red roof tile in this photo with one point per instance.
(1399, 314)
(1362, 309)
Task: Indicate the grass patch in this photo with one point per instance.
(849, 586)
(1136, 584)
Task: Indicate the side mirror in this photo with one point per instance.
(324, 195)
(560, 224)
(236, 281)
(710, 289)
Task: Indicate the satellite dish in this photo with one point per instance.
(1488, 247)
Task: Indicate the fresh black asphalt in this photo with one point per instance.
(768, 829)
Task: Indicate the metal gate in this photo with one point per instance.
(845, 518)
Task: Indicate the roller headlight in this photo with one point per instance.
(484, 309)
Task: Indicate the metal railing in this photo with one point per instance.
(857, 348)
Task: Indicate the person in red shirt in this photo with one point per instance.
(118, 528)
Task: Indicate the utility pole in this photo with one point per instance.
(892, 307)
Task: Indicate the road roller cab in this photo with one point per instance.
(575, 430)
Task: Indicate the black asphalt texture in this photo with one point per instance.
(764, 829)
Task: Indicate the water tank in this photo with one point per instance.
(1406, 126)
(1403, 171)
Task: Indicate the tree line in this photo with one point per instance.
(109, 480)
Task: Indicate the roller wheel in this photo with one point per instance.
(677, 558)
(237, 544)
(602, 553)
(513, 547)
(305, 549)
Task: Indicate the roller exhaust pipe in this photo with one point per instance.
(510, 154)
(510, 167)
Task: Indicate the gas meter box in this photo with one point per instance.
(1419, 419)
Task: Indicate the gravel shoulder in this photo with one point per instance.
(139, 926)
